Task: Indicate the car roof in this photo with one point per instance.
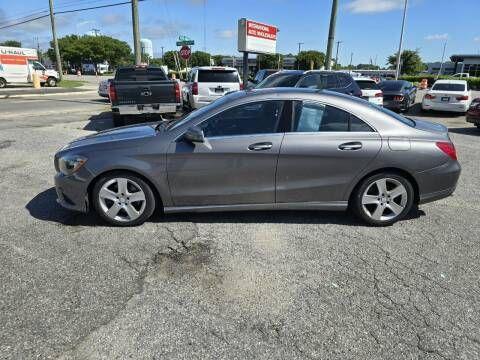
(442, 81)
(363, 78)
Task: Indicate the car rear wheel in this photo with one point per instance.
(51, 82)
(383, 199)
(3, 83)
(123, 199)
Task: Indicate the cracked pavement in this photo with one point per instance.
(265, 285)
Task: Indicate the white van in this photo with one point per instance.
(208, 83)
(17, 66)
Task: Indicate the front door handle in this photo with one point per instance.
(356, 145)
(260, 146)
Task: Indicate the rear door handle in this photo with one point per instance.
(350, 146)
(260, 146)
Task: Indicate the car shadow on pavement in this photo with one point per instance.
(45, 207)
(100, 122)
(471, 130)
(416, 110)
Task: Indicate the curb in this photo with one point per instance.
(11, 96)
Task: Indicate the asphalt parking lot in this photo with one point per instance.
(265, 285)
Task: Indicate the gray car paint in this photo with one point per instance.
(221, 174)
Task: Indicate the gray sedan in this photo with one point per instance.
(269, 149)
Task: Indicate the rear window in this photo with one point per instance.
(279, 80)
(140, 74)
(448, 87)
(222, 76)
(391, 85)
(367, 85)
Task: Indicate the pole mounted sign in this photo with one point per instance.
(185, 52)
(256, 37)
(184, 40)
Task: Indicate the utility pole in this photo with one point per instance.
(351, 59)
(399, 55)
(299, 47)
(336, 56)
(162, 55)
(331, 34)
(443, 58)
(136, 33)
(55, 42)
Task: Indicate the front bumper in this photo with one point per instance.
(439, 182)
(71, 192)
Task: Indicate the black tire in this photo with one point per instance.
(118, 120)
(3, 83)
(150, 202)
(51, 82)
(361, 212)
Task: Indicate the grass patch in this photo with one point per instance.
(71, 83)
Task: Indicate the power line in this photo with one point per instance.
(66, 12)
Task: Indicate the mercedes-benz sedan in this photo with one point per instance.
(269, 149)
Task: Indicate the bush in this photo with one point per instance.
(474, 82)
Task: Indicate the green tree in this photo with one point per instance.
(11, 43)
(77, 49)
(367, 67)
(169, 59)
(270, 61)
(199, 58)
(217, 59)
(156, 61)
(411, 62)
(304, 59)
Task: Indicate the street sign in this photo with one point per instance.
(185, 42)
(255, 37)
(185, 52)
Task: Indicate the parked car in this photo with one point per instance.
(398, 95)
(461, 75)
(314, 79)
(370, 90)
(207, 83)
(268, 149)
(139, 90)
(260, 76)
(103, 87)
(473, 113)
(448, 95)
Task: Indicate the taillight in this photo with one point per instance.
(448, 148)
(112, 93)
(430, 96)
(463, 97)
(379, 94)
(177, 92)
(195, 88)
(398, 98)
(241, 86)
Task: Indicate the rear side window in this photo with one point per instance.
(315, 117)
(221, 76)
(344, 80)
(448, 87)
(140, 74)
(319, 81)
(367, 85)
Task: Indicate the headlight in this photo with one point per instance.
(69, 164)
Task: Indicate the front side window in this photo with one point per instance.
(315, 117)
(261, 117)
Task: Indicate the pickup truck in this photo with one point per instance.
(137, 90)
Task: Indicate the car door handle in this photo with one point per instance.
(350, 146)
(260, 146)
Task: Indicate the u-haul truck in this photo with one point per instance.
(17, 66)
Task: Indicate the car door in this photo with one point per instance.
(325, 150)
(235, 165)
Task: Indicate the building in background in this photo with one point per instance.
(147, 47)
(461, 63)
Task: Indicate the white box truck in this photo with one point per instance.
(17, 66)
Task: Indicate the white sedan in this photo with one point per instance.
(370, 90)
(448, 95)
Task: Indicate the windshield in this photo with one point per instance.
(448, 87)
(279, 80)
(391, 85)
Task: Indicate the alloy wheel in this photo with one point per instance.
(122, 199)
(384, 199)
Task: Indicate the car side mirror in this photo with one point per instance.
(194, 135)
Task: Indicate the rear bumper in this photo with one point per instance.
(452, 107)
(439, 182)
(394, 105)
(145, 109)
(71, 192)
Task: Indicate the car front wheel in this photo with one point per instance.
(51, 82)
(123, 199)
(383, 199)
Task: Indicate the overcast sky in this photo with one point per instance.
(368, 28)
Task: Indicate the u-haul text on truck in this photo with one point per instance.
(17, 66)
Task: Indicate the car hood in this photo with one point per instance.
(113, 135)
